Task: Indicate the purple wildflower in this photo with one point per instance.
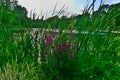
(69, 43)
(65, 46)
(48, 40)
(60, 62)
(60, 47)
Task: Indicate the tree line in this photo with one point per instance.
(12, 13)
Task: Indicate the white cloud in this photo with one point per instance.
(47, 5)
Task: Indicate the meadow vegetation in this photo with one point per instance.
(59, 55)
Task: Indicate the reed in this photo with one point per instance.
(79, 51)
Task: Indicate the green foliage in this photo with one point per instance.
(92, 53)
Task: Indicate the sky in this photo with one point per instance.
(47, 6)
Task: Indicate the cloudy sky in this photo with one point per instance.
(47, 6)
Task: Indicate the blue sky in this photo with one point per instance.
(78, 3)
(47, 6)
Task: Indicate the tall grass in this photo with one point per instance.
(34, 55)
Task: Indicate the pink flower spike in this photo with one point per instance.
(64, 46)
(60, 48)
(60, 62)
(48, 40)
(69, 43)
